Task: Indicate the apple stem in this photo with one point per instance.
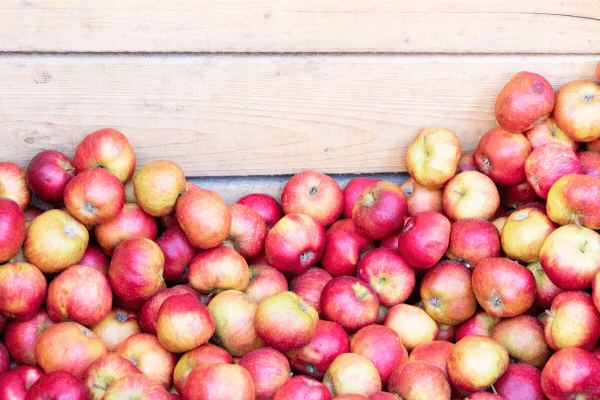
(576, 218)
(494, 389)
(425, 144)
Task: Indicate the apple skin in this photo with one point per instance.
(148, 313)
(523, 337)
(473, 240)
(503, 287)
(424, 239)
(15, 383)
(414, 381)
(68, 346)
(350, 302)
(269, 369)
(95, 258)
(412, 324)
(330, 341)
(517, 195)
(264, 282)
(48, 172)
(388, 275)
(20, 337)
(344, 247)
(520, 382)
(247, 232)
(178, 252)
(352, 191)
(590, 163)
(285, 321)
(217, 269)
(117, 326)
(420, 199)
(501, 155)
(106, 148)
(573, 321)
(524, 233)
(476, 362)
(525, 100)
(447, 293)
(432, 157)
(57, 385)
(218, 381)
(300, 387)
(577, 110)
(470, 194)
(104, 371)
(23, 289)
(570, 257)
(547, 131)
(571, 373)
(546, 290)
(207, 352)
(352, 373)
(380, 210)
(572, 200)
(295, 243)
(481, 323)
(13, 184)
(266, 205)
(136, 386)
(548, 163)
(433, 353)
(382, 346)
(158, 185)
(315, 194)
(54, 241)
(309, 285)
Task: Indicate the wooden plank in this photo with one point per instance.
(259, 115)
(409, 26)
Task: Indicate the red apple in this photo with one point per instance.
(548, 163)
(590, 163)
(106, 370)
(269, 369)
(309, 285)
(13, 184)
(577, 110)
(424, 239)
(380, 210)
(344, 247)
(148, 313)
(48, 172)
(420, 198)
(412, 324)
(315, 194)
(520, 382)
(432, 157)
(352, 191)
(466, 163)
(205, 353)
(158, 185)
(178, 252)
(517, 195)
(523, 337)
(571, 373)
(264, 204)
(264, 282)
(481, 323)
(572, 200)
(218, 381)
(117, 326)
(381, 395)
(58, 385)
(23, 289)
(352, 373)
(136, 386)
(414, 381)
(473, 240)
(12, 228)
(95, 258)
(433, 353)
(524, 233)
(247, 232)
(218, 269)
(300, 387)
(546, 290)
(20, 336)
(547, 131)
(15, 383)
(525, 101)
(470, 194)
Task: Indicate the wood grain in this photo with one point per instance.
(410, 26)
(259, 115)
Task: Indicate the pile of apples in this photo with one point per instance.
(475, 278)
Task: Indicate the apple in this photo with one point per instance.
(20, 336)
(266, 205)
(315, 194)
(344, 247)
(15, 383)
(106, 148)
(130, 190)
(476, 362)
(309, 286)
(517, 195)
(57, 385)
(392, 279)
(300, 387)
(330, 341)
(145, 352)
(264, 282)
(571, 373)
(572, 321)
(433, 353)
(132, 221)
(117, 326)
(269, 369)
(446, 332)
(501, 155)
(352, 191)
(285, 321)
(424, 239)
(420, 198)
(12, 228)
(13, 184)
(135, 271)
(218, 381)
(381, 395)
(466, 162)
(412, 324)
(204, 217)
(178, 252)
(350, 302)
(54, 241)
(135, 386)
(572, 200)
(68, 346)
(470, 194)
(432, 157)
(352, 373)
(23, 289)
(382, 346)
(524, 233)
(577, 110)
(546, 290)
(95, 258)
(94, 196)
(183, 323)
(380, 210)
(481, 323)
(218, 269)
(158, 185)
(247, 232)
(520, 382)
(235, 330)
(548, 163)
(79, 293)
(104, 371)
(484, 396)
(570, 256)
(148, 312)
(48, 172)
(473, 240)
(503, 287)
(169, 220)
(523, 337)
(295, 243)
(205, 353)
(547, 131)
(414, 381)
(447, 293)
(525, 101)
(590, 163)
